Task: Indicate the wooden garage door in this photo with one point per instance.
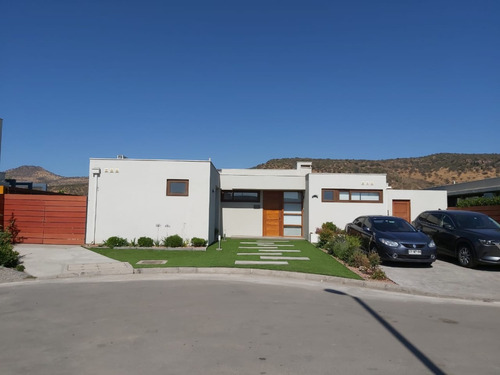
(401, 208)
(47, 219)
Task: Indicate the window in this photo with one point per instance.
(178, 187)
(292, 213)
(337, 195)
(240, 196)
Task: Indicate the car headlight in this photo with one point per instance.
(488, 242)
(389, 242)
(432, 244)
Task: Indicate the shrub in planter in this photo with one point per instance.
(145, 242)
(359, 260)
(115, 241)
(326, 233)
(378, 274)
(198, 242)
(173, 241)
(343, 247)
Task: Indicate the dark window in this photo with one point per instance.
(434, 219)
(240, 196)
(178, 187)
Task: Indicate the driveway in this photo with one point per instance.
(446, 278)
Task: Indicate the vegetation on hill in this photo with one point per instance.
(408, 173)
(402, 173)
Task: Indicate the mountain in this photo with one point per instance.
(55, 183)
(408, 173)
(402, 173)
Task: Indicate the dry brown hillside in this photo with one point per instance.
(408, 173)
(55, 183)
(403, 173)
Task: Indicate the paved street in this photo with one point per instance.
(236, 324)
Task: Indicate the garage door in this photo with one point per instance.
(401, 208)
(47, 219)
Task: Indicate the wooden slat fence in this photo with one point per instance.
(47, 219)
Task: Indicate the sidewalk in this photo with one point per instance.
(51, 261)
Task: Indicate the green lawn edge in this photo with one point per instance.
(320, 263)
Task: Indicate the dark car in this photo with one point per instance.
(393, 238)
(471, 237)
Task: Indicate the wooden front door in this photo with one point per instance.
(273, 214)
(401, 208)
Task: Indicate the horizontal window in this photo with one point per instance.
(240, 196)
(345, 195)
(178, 187)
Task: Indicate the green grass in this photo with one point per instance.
(319, 263)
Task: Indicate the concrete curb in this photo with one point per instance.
(382, 286)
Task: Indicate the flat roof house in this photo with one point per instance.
(132, 198)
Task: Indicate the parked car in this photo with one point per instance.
(471, 237)
(393, 238)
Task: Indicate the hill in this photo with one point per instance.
(55, 183)
(408, 173)
(402, 173)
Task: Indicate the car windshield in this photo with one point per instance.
(468, 221)
(391, 225)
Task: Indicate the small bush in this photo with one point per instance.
(115, 241)
(374, 259)
(20, 268)
(133, 243)
(198, 242)
(145, 242)
(378, 274)
(8, 256)
(326, 233)
(343, 247)
(173, 241)
(359, 260)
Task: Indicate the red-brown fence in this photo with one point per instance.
(47, 219)
(491, 211)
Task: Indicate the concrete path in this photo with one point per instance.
(51, 261)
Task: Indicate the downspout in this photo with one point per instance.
(96, 172)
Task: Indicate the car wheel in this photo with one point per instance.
(466, 256)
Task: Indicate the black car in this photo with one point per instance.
(469, 236)
(393, 238)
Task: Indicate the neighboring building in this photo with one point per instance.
(155, 198)
(489, 187)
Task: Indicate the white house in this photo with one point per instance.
(132, 198)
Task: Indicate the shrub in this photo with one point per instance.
(115, 241)
(20, 268)
(343, 247)
(359, 260)
(173, 241)
(133, 243)
(198, 242)
(326, 233)
(8, 256)
(479, 201)
(374, 259)
(145, 242)
(378, 274)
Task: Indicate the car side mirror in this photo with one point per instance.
(366, 229)
(449, 227)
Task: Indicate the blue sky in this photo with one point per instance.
(242, 82)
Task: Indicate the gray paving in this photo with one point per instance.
(51, 261)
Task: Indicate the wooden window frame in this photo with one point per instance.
(336, 195)
(183, 194)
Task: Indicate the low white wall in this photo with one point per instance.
(242, 219)
(131, 199)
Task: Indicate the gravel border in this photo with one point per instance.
(8, 275)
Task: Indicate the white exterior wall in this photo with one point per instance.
(131, 199)
(245, 219)
(338, 212)
(420, 200)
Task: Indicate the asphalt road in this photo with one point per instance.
(235, 324)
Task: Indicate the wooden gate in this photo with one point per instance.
(47, 219)
(401, 208)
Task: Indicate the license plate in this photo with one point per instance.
(415, 252)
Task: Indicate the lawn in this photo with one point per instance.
(239, 250)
